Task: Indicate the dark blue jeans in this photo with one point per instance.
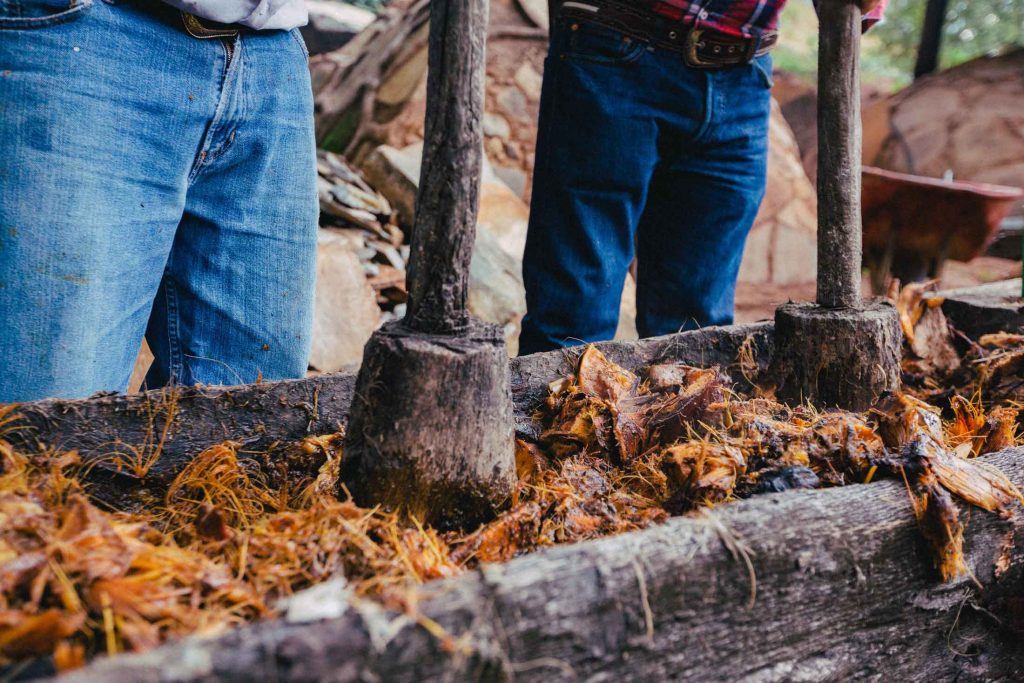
(639, 154)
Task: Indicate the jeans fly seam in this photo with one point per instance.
(208, 152)
(241, 106)
(709, 106)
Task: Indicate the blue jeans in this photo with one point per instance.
(639, 154)
(151, 184)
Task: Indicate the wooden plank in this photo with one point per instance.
(262, 414)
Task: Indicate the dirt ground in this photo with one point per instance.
(758, 301)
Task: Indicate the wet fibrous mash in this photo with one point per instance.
(237, 532)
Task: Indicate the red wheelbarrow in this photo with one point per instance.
(912, 224)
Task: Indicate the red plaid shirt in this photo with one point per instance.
(747, 18)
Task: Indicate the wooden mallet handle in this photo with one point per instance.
(839, 155)
(448, 197)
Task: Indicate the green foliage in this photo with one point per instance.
(972, 28)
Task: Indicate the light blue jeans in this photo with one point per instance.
(156, 184)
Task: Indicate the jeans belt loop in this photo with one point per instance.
(755, 45)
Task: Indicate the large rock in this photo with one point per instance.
(332, 24)
(782, 246)
(496, 281)
(627, 312)
(515, 62)
(537, 11)
(346, 305)
(395, 173)
(503, 214)
(496, 286)
(968, 120)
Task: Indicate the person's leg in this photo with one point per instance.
(703, 200)
(236, 301)
(596, 150)
(100, 118)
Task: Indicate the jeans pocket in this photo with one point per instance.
(297, 35)
(34, 14)
(763, 66)
(592, 42)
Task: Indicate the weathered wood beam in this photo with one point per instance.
(262, 414)
(291, 410)
(833, 584)
(994, 307)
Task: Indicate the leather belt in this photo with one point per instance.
(204, 29)
(701, 47)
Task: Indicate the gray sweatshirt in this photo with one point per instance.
(257, 14)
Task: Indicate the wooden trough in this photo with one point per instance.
(830, 584)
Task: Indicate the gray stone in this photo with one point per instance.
(627, 312)
(537, 11)
(782, 246)
(529, 81)
(512, 102)
(495, 282)
(332, 24)
(346, 312)
(395, 173)
(514, 177)
(496, 126)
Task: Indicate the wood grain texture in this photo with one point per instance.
(291, 410)
(837, 357)
(262, 414)
(994, 307)
(839, 155)
(430, 429)
(448, 196)
(845, 590)
(183, 421)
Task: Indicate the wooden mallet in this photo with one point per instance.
(430, 429)
(843, 351)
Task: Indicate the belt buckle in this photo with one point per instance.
(197, 29)
(693, 42)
